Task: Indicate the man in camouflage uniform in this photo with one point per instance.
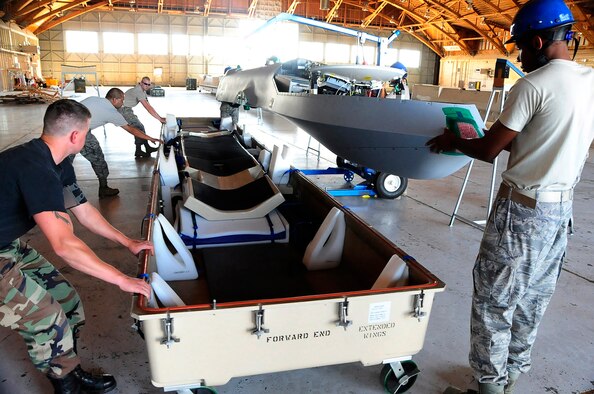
(30, 287)
(132, 97)
(547, 124)
(231, 110)
(35, 299)
(104, 111)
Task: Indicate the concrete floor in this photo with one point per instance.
(417, 222)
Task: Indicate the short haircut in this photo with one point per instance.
(62, 116)
(147, 78)
(558, 33)
(114, 93)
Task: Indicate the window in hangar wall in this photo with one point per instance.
(215, 49)
(390, 57)
(152, 44)
(337, 53)
(81, 41)
(279, 39)
(196, 45)
(248, 50)
(118, 43)
(366, 54)
(311, 50)
(411, 58)
(180, 45)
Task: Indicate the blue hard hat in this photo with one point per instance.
(399, 66)
(402, 67)
(227, 69)
(538, 15)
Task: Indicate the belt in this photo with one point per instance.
(529, 198)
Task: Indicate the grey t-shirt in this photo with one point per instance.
(134, 96)
(103, 112)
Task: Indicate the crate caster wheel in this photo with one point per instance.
(204, 390)
(390, 186)
(349, 176)
(398, 377)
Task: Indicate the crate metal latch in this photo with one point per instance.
(169, 339)
(418, 308)
(343, 312)
(259, 317)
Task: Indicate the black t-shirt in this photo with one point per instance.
(33, 183)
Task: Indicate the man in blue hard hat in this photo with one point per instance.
(402, 67)
(547, 125)
(400, 85)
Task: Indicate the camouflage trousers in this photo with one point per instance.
(94, 154)
(227, 110)
(133, 121)
(515, 275)
(40, 304)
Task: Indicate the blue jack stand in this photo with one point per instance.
(362, 189)
(376, 183)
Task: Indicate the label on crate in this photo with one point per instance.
(379, 312)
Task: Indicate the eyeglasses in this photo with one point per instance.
(146, 84)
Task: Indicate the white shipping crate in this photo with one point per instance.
(256, 308)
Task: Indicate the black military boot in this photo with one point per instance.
(139, 153)
(106, 191)
(149, 149)
(69, 384)
(93, 384)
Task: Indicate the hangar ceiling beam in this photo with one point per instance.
(292, 7)
(425, 40)
(497, 43)
(58, 11)
(374, 14)
(54, 22)
(582, 23)
(382, 42)
(334, 11)
(35, 7)
(22, 4)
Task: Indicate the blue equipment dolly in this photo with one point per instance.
(362, 189)
(376, 183)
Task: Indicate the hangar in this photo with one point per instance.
(255, 322)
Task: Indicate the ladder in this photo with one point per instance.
(502, 68)
(310, 147)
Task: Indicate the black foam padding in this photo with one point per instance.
(254, 272)
(243, 198)
(219, 156)
(221, 167)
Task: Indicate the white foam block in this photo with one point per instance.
(168, 168)
(325, 249)
(166, 295)
(394, 274)
(178, 266)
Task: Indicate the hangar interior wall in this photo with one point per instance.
(461, 71)
(19, 56)
(127, 69)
